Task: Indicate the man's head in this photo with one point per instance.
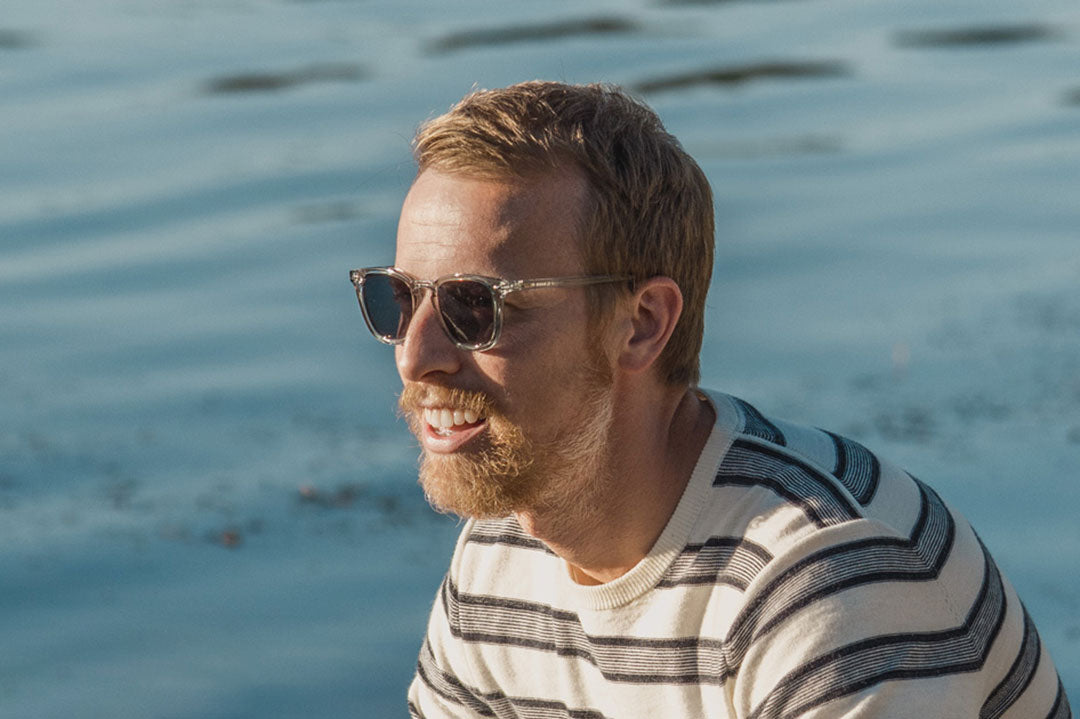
(524, 423)
(545, 181)
(647, 209)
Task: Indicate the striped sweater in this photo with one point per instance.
(799, 576)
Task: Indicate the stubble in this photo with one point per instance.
(558, 479)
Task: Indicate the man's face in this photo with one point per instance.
(541, 397)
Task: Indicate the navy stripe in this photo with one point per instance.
(540, 709)
(748, 463)
(857, 468)
(448, 686)
(507, 532)
(900, 656)
(1020, 673)
(755, 424)
(733, 561)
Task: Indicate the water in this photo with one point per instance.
(207, 508)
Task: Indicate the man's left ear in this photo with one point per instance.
(653, 312)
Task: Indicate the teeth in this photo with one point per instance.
(444, 418)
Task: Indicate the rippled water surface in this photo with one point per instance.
(207, 507)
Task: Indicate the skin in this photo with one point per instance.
(527, 228)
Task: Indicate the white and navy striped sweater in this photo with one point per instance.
(799, 576)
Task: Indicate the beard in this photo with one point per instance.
(513, 472)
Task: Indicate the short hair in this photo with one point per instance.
(649, 211)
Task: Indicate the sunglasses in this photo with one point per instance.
(470, 307)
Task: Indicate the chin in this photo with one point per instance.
(472, 489)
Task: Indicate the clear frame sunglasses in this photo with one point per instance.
(470, 307)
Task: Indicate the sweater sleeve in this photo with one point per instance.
(856, 624)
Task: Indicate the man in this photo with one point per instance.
(637, 547)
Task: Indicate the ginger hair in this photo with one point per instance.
(649, 210)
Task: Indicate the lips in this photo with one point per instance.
(445, 419)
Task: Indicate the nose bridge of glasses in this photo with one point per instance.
(417, 287)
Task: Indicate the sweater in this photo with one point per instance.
(798, 576)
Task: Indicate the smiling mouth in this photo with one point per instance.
(446, 422)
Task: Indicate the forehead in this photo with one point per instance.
(515, 229)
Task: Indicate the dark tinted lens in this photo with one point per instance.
(388, 302)
(468, 310)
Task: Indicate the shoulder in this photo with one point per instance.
(872, 578)
(792, 480)
(833, 516)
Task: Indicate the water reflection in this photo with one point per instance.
(274, 81)
(15, 39)
(556, 30)
(987, 35)
(739, 75)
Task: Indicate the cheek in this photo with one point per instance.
(545, 383)
(540, 366)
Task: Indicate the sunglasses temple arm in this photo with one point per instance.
(545, 282)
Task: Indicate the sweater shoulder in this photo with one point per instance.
(782, 481)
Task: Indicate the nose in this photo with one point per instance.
(426, 350)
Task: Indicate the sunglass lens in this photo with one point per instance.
(468, 311)
(388, 302)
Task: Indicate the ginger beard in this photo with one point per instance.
(512, 472)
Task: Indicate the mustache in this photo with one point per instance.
(414, 397)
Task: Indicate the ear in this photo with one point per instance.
(653, 312)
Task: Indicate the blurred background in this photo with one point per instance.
(207, 505)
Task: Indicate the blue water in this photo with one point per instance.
(207, 506)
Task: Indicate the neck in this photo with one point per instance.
(655, 443)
